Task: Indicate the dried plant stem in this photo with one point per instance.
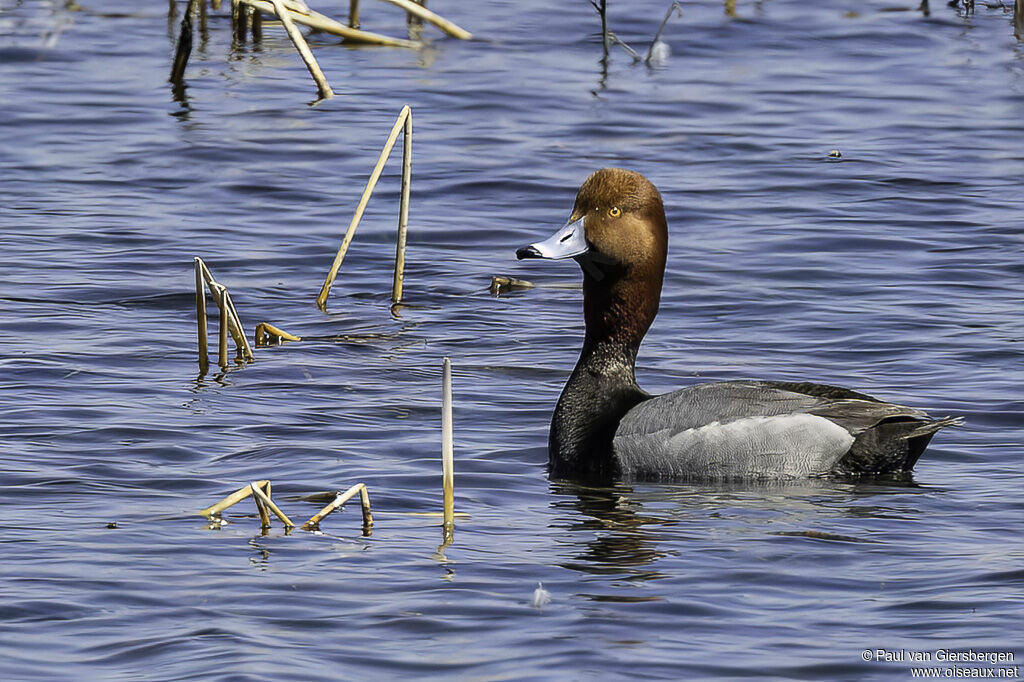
(337, 502)
(432, 18)
(300, 44)
(267, 333)
(319, 22)
(675, 6)
(234, 324)
(403, 212)
(447, 445)
(222, 345)
(273, 507)
(353, 14)
(261, 507)
(232, 499)
(257, 27)
(364, 505)
(325, 290)
(184, 48)
(201, 325)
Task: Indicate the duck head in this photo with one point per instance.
(618, 234)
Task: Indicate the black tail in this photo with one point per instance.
(892, 446)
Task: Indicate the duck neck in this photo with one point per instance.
(618, 308)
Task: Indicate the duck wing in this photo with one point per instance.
(751, 429)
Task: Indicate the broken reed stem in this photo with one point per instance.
(447, 445)
(353, 14)
(232, 499)
(300, 44)
(675, 6)
(602, 9)
(261, 508)
(273, 507)
(403, 212)
(337, 502)
(256, 30)
(325, 290)
(319, 22)
(1018, 19)
(235, 327)
(364, 505)
(267, 333)
(425, 14)
(222, 346)
(241, 15)
(234, 323)
(184, 48)
(201, 326)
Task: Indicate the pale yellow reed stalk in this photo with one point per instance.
(403, 122)
(319, 22)
(300, 44)
(403, 211)
(232, 499)
(428, 16)
(201, 325)
(222, 346)
(447, 445)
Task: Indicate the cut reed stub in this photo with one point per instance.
(402, 123)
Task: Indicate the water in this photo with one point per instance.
(895, 269)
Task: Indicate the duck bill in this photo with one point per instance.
(568, 242)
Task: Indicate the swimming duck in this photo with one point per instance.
(604, 424)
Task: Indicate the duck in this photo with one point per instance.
(605, 425)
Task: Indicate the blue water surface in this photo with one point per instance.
(895, 269)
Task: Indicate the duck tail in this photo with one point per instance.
(918, 438)
(930, 428)
(892, 447)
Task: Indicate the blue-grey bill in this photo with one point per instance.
(568, 242)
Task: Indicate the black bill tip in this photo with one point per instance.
(528, 252)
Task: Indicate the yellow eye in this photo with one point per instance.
(614, 211)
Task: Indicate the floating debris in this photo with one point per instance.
(835, 154)
(821, 535)
(267, 334)
(501, 284)
(541, 597)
